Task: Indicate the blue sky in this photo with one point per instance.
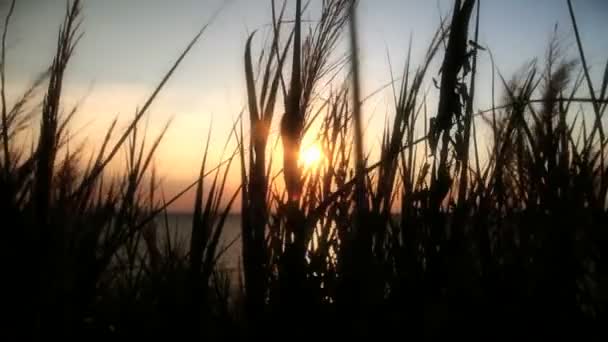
(129, 44)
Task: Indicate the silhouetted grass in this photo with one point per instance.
(434, 238)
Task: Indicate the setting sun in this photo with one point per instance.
(311, 156)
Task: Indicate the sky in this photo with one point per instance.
(128, 45)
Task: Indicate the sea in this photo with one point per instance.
(180, 229)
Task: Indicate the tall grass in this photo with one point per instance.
(435, 238)
(86, 253)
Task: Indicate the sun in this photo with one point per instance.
(311, 156)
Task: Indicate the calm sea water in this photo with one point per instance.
(230, 245)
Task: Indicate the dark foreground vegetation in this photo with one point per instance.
(505, 236)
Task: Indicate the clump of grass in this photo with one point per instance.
(85, 231)
(309, 63)
(255, 182)
(464, 229)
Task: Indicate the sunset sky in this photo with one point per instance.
(129, 44)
